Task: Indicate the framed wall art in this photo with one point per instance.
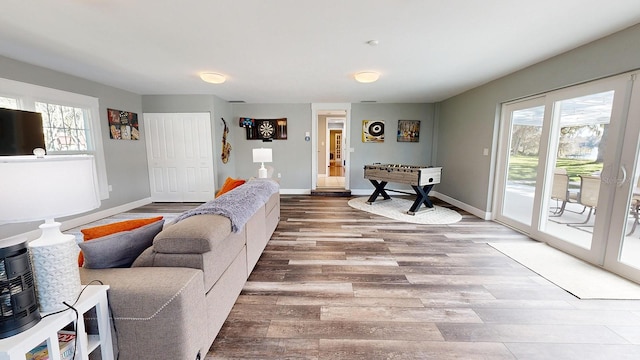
(264, 129)
(123, 125)
(372, 131)
(408, 130)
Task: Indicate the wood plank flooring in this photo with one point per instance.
(338, 283)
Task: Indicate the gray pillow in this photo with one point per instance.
(119, 249)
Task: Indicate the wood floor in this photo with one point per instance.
(338, 283)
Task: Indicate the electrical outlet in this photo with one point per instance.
(279, 175)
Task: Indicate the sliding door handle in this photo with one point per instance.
(624, 176)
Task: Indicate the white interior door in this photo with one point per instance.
(338, 142)
(180, 156)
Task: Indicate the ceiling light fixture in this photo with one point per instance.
(213, 78)
(367, 76)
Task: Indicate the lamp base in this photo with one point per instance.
(262, 172)
(55, 264)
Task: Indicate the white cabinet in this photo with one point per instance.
(94, 296)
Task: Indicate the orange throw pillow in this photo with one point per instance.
(229, 185)
(108, 229)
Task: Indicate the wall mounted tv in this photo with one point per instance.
(20, 132)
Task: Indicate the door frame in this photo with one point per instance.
(622, 150)
(340, 120)
(316, 110)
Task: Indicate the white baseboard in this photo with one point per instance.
(468, 208)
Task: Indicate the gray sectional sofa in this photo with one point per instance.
(173, 301)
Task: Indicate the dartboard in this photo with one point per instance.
(266, 130)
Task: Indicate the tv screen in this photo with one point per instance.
(20, 132)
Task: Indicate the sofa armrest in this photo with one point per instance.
(159, 311)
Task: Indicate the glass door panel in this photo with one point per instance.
(623, 236)
(521, 163)
(629, 253)
(580, 139)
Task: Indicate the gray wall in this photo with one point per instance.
(212, 104)
(390, 151)
(125, 160)
(467, 123)
(291, 157)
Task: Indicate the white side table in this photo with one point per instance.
(94, 296)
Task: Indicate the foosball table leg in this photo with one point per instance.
(378, 191)
(422, 197)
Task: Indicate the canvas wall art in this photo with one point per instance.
(373, 131)
(123, 125)
(408, 130)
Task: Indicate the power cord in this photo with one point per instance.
(75, 344)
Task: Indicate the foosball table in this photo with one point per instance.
(421, 179)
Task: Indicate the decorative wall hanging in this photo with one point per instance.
(408, 130)
(265, 129)
(123, 125)
(372, 131)
(226, 147)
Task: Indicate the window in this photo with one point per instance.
(8, 103)
(65, 127)
(70, 121)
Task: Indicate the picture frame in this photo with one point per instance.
(372, 131)
(123, 125)
(408, 131)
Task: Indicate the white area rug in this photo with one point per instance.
(397, 208)
(573, 275)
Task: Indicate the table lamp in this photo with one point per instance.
(44, 188)
(262, 156)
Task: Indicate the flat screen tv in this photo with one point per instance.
(20, 132)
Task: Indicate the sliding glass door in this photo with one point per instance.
(520, 160)
(567, 171)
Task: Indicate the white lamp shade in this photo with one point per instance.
(262, 155)
(46, 188)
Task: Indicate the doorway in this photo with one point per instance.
(332, 173)
(180, 156)
(330, 148)
(568, 176)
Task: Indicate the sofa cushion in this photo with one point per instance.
(230, 184)
(194, 235)
(108, 229)
(119, 249)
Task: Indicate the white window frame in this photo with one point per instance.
(28, 94)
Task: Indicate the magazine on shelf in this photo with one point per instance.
(66, 340)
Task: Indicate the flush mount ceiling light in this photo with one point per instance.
(214, 78)
(367, 76)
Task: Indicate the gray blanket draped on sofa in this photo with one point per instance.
(238, 206)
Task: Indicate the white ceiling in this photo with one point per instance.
(300, 51)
